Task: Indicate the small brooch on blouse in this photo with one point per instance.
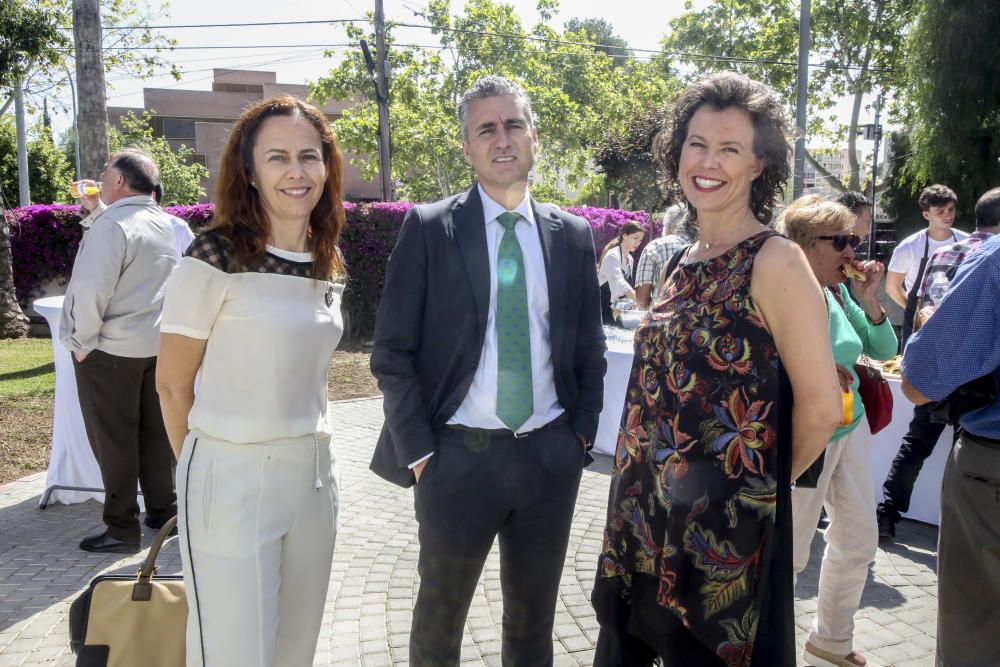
(329, 296)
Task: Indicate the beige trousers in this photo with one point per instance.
(846, 489)
(257, 527)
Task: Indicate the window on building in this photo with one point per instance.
(178, 128)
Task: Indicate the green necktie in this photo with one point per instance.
(515, 403)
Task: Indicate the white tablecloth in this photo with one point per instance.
(925, 504)
(926, 500)
(619, 357)
(72, 462)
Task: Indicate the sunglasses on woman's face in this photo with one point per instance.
(841, 241)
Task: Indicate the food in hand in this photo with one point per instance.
(853, 272)
(893, 365)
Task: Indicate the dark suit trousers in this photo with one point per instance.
(918, 444)
(477, 487)
(121, 413)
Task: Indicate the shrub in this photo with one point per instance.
(44, 240)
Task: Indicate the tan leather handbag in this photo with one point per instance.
(122, 621)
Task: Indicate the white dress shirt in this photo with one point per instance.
(479, 408)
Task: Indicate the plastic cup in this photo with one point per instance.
(79, 189)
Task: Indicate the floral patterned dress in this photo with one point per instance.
(698, 527)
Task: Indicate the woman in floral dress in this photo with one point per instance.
(695, 566)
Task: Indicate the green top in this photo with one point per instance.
(852, 334)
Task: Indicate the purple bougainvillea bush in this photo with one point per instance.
(44, 240)
(198, 216)
(366, 241)
(607, 221)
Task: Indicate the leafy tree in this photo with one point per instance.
(857, 47)
(600, 32)
(34, 50)
(181, 177)
(626, 159)
(29, 38)
(35, 36)
(48, 169)
(954, 78)
(576, 93)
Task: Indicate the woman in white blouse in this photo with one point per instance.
(254, 308)
(615, 268)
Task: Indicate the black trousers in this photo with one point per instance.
(918, 444)
(121, 414)
(477, 487)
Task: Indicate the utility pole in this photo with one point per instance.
(23, 186)
(801, 100)
(877, 132)
(382, 97)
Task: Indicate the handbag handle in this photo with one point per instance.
(143, 588)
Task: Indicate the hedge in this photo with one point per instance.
(44, 240)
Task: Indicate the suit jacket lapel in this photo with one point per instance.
(469, 229)
(550, 230)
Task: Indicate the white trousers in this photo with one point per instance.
(256, 541)
(846, 489)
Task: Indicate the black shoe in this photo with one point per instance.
(157, 524)
(103, 543)
(886, 528)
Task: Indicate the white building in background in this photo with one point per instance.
(834, 161)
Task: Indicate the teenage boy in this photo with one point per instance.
(906, 272)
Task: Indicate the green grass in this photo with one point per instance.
(26, 368)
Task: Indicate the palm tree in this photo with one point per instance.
(93, 111)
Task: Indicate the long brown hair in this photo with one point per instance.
(626, 229)
(239, 211)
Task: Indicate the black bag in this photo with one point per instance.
(970, 396)
(128, 621)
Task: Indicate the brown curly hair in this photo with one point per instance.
(239, 211)
(723, 91)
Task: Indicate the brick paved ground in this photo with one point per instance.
(373, 580)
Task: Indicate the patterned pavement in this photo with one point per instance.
(373, 581)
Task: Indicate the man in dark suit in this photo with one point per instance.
(489, 353)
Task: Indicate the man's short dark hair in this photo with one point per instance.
(853, 200)
(157, 192)
(493, 86)
(138, 170)
(988, 209)
(936, 195)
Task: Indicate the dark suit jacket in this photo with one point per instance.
(431, 324)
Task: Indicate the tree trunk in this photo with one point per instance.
(90, 85)
(13, 323)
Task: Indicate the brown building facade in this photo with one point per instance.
(201, 119)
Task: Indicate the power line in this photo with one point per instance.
(234, 46)
(682, 54)
(695, 56)
(228, 25)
